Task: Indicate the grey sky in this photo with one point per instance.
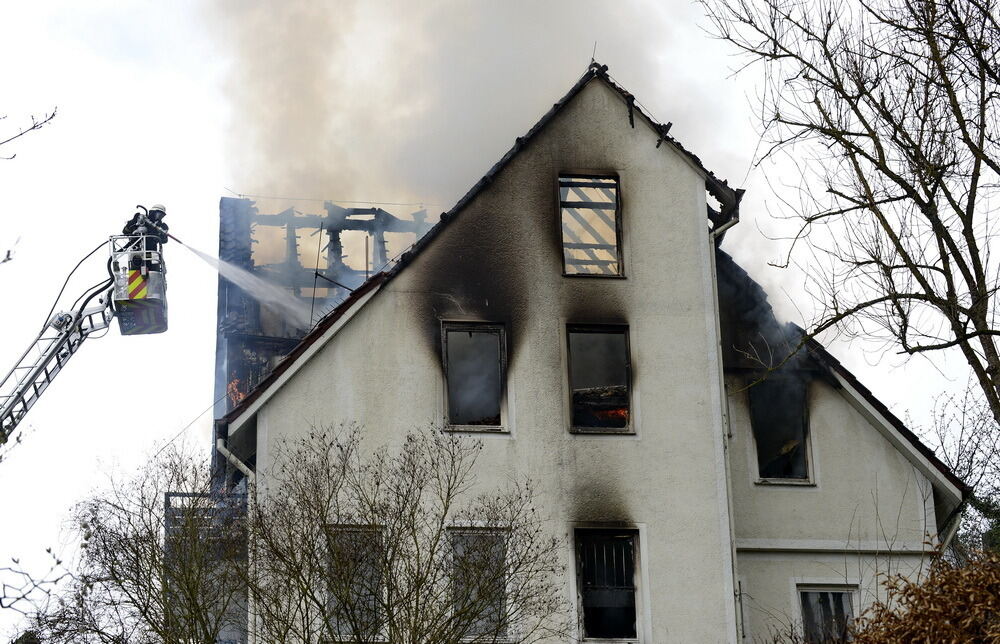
(175, 102)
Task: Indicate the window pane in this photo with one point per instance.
(475, 375)
(599, 375)
(778, 420)
(606, 563)
(826, 615)
(354, 581)
(588, 210)
(480, 581)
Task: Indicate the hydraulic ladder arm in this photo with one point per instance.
(59, 341)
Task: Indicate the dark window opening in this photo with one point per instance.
(778, 418)
(474, 370)
(588, 211)
(826, 615)
(599, 377)
(354, 582)
(606, 568)
(479, 581)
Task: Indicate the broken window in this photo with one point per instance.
(474, 371)
(826, 614)
(778, 418)
(354, 581)
(599, 376)
(479, 581)
(591, 235)
(606, 570)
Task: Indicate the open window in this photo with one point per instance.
(599, 374)
(606, 571)
(475, 374)
(780, 423)
(827, 613)
(591, 226)
(479, 582)
(354, 582)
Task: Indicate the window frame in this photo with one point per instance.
(637, 576)
(486, 529)
(810, 479)
(619, 226)
(377, 531)
(498, 328)
(587, 327)
(851, 590)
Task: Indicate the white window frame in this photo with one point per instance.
(850, 586)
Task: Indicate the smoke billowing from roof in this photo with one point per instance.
(414, 101)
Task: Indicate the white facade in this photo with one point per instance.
(720, 554)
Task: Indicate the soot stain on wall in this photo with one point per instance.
(484, 266)
(598, 503)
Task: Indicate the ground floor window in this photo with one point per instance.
(826, 613)
(606, 569)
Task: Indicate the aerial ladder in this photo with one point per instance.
(134, 293)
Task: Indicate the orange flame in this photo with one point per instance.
(233, 391)
(618, 413)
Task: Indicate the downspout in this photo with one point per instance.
(220, 445)
(730, 216)
(952, 523)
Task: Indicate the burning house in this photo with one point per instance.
(537, 317)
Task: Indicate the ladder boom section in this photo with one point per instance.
(59, 341)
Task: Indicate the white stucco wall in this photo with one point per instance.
(867, 512)
(500, 261)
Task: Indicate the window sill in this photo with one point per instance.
(603, 431)
(785, 482)
(603, 277)
(476, 429)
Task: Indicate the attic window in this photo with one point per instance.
(591, 230)
(474, 373)
(778, 418)
(599, 377)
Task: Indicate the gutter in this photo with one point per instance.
(220, 446)
(729, 200)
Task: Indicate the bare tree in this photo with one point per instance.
(397, 546)
(338, 546)
(889, 110)
(161, 561)
(37, 123)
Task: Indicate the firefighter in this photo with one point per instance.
(150, 226)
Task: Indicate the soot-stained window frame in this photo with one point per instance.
(848, 590)
(580, 536)
(619, 250)
(807, 451)
(497, 328)
(623, 328)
